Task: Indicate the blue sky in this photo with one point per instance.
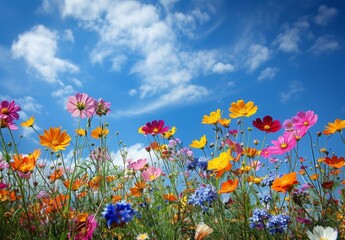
(172, 60)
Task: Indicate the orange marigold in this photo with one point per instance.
(55, 139)
(228, 186)
(27, 163)
(336, 126)
(285, 182)
(242, 109)
(335, 162)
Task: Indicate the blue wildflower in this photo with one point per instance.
(202, 162)
(202, 196)
(119, 213)
(277, 224)
(257, 220)
(267, 181)
(265, 198)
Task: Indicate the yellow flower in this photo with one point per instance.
(241, 109)
(213, 118)
(80, 132)
(28, 123)
(55, 139)
(99, 132)
(140, 130)
(199, 144)
(336, 126)
(224, 122)
(220, 164)
(142, 236)
(169, 133)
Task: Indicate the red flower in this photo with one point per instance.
(155, 127)
(267, 124)
(328, 185)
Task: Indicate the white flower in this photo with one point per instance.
(202, 230)
(320, 233)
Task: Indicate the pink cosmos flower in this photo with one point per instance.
(265, 153)
(81, 105)
(3, 185)
(103, 107)
(284, 144)
(288, 125)
(3, 164)
(7, 123)
(155, 127)
(9, 111)
(137, 165)
(151, 173)
(304, 120)
(24, 175)
(256, 165)
(89, 228)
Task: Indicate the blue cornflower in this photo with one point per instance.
(203, 195)
(191, 164)
(265, 198)
(257, 220)
(277, 224)
(202, 162)
(119, 213)
(267, 181)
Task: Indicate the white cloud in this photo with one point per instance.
(257, 55)
(63, 93)
(84, 9)
(117, 62)
(30, 104)
(294, 88)
(77, 82)
(68, 35)
(222, 68)
(325, 15)
(134, 152)
(38, 48)
(323, 44)
(132, 92)
(268, 74)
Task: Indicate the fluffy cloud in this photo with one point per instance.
(268, 74)
(294, 88)
(323, 44)
(257, 55)
(38, 48)
(325, 15)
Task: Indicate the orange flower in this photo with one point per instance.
(224, 122)
(55, 139)
(138, 189)
(110, 178)
(82, 194)
(220, 164)
(79, 182)
(116, 198)
(57, 174)
(251, 152)
(170, 197)
(80, 131)
(95, 182)
(228, 186)
(335, 162)
(55, 204)
(241, 109)
(99, 132)
(25, 164)
(8, 195)
(314, 176)
(285, 183)
(336, 126)
(199, 144)
(213, 118)
(202, 231)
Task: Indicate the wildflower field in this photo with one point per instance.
(248, 180)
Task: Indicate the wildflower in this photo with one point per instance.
(80, 132)
(268, 180)
(7, 123)
(288, 125)
(99, 132)
(265, 198)
(25, 164)
(28, 123)
(256, 165)
(118, 214)
(138, 189)
(100, 154)
(9, 111)
(258, 218)
(142, 236)
(241, 109)
(199, 143)
(251, 152)
(224, 122)
(85, 226)
(81, 105)
(228, 186)
(55, 139)
(202, 231)
(304, 120)
(277, 224)
(220, 164)
(213, 118)
(202, 162)
(334, 127)
(328, 185)
(168, 134)
(203, 195)
(155, 127)
(95, 182)
(57, 174)
(151, 173)
(137, 165)
(285, 182)
(78, 183)
(335, 162)
(321, 233)
(284, 144)
(170, 197)
(103, 107)
(267, 124)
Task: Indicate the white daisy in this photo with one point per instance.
(320, 233)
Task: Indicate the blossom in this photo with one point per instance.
(256, 165)
(168, 134)
(205, 194)
(277, 224)
(79, 182)
(3, 164)
(304, 120)
(81, 105)
(151, 173)
(138, 189)
(154, 127)
(9, 111)
(202, 231)
(55, 139)
(288, 125)
(242, 109)
(137, 165)
(284, 144)
(100, 154)
(102, 107)
(220, 164)
(224, 122)
(118, 214)
(213, 118)
(267, 124)
(56, 174)
(7, 123)
(335, 161)
(258, 218)
(142, 236)
(228, 186)
(336, 126)
(285, 182)
(85, 226)
(27, 163)
(321, 233)
(99, 132)
(268, 180)
(199, 143)
(29, 122)
(80, 132)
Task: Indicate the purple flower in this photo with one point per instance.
(118, 214)
(103, 107)
(9, 111)
(203, 195)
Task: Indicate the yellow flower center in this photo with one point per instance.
(4, 111)
(306, 123)
(266, 127)
(152, 177)
(80, 106)
(55, 143)
(283, 145)
(155, 130)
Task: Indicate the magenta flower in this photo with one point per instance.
(3, 164)
(9, 111)
(88, 229)
(3, 185)
(155, 127)
(265, 153)
(288, 125)
(151, 173)
(304, 120)
(24, 175)
(284, 144)
(103, 107)
(137, 165)
(7, 123)
(81, 105)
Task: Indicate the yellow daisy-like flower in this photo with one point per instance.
(28, 123)
(336, 126)
(199, 144)
(55, 139)
(99, 132)
(140, 130)
(169, 133)
(242, 109)
(220, 164)
(81, 131)
(213, 118)
(224, 122)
